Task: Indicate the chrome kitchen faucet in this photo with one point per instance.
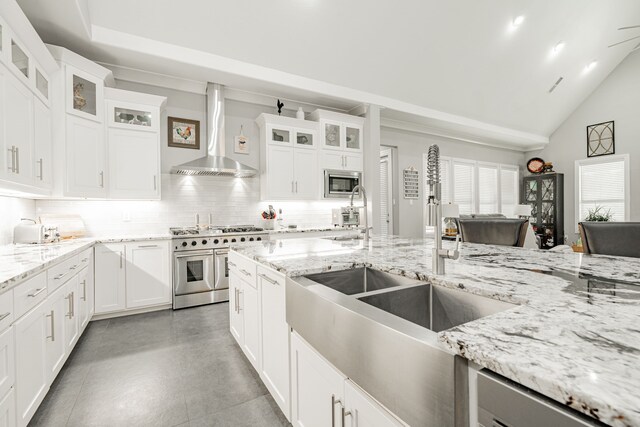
(434, 212)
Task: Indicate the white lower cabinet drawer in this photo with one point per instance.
(8, 409)
(29, 294)
(7, 362)
(60, 273)
(245, 267)
(6, 310)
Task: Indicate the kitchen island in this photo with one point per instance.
(573, 337)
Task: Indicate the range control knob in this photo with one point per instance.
(204, 242)
(225, 241)
(258, 238)
(242, 239)
(194, 243)
(215, 242)
(233, 240)
(184, 244)
(251, 239)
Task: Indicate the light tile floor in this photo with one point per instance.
(167, 368)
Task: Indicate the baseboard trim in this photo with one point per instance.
(104, 316)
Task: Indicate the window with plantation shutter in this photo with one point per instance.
(487, 189)
(463, 186)
(509, 189)
(603, 182)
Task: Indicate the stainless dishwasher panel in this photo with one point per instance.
(502, 403)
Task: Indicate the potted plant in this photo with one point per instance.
(595, 214)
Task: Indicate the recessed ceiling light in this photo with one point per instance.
(557, 48)
(590, 66)
(517, 21)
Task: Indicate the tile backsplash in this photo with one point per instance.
(11, 210)
(229, 200)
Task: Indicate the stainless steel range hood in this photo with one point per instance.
(215, 162)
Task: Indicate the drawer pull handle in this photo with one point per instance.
(73, 267)
(53, 328)
(84, 290)
(232, 264)
(4, 316)
(245, 272)
(148, 246)
(269, 279)
(36, 292)
(85, 259)
(59, 276)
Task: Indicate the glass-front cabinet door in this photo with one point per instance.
(353, 138)
(332, 135)
(305, 139)
(42, 84)
(85, 94)
(20, 59)
(132, 116)
(280, 135)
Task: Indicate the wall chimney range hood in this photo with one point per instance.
(215, 163)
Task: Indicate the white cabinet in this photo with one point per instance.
(86, 158)
(110, 285)
(31, 370)
(338, 131)
(317, 389)
(133, 139)
(251, 318)
(148, 281)
(280, 179)
(71, 323)
(236, 317)
(8, 409)
(275, 337)
(134, 164)
(7, 362)
(361, 410)
(55, 311)
(85, 295)
(43, 162)
(322, 396)
(132, 275)
(288, 158)
(337, 160)
(18, 130)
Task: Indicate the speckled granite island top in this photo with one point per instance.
(575, 337)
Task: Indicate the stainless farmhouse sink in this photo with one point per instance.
(435, 307)
(358, 280)
(381, 331)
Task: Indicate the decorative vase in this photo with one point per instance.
(300, 113)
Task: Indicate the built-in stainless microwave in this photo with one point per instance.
(339, 183)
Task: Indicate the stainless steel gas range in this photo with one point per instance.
(200, 270)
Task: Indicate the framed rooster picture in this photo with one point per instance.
(184, 133)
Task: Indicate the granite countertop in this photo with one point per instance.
(575, 336)
(312, 229)
(19, 262)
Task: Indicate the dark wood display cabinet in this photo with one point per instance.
(545, 194)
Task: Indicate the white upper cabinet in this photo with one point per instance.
(340, 132)
(84, 94)
(18, 130)
(86, 158)
(133, 138)
(289, 158)
(43, 155)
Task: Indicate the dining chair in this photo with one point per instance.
(610, 238)
(494, 231)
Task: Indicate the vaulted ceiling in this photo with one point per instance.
(458, 63)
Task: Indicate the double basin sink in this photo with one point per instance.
(380, 330)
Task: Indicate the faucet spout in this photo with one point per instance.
(366, 215)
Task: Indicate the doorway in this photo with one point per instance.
(386, 191)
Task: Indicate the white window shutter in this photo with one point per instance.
(487, 189)
(509, 189)
(463, 186)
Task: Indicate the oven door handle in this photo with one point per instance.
(192, 254)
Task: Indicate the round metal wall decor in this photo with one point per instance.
(600, 139)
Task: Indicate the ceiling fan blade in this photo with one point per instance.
(630, 27)
(624, 41)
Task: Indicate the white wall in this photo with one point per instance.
(618, 99)
(410, 149)
(12, 209)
